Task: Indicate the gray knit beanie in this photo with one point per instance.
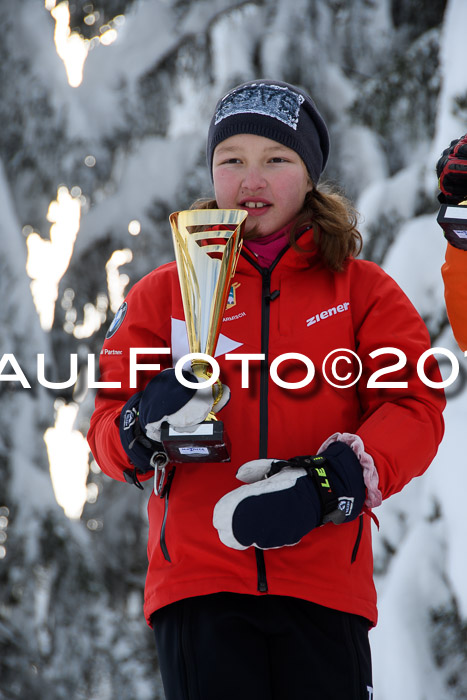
(278, 111)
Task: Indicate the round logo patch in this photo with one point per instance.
(118, 320)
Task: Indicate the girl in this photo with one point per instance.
(265, 590)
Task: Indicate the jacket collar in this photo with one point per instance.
(288, 257)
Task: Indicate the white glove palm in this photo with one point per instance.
(189, 416)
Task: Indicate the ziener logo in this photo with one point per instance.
(327, 313)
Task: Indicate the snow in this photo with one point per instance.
(448, 476)
(155, 166)
(14, 257)
(362, 154)
(421, 567)
(430, 566)
(401, 651)
(418, 240)
(242, 24)
(450, 125)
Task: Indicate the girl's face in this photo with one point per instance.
(262, 177)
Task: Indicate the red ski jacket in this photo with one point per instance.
(454, 273)
(297, 306)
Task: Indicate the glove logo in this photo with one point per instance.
(129, 418)
(346, 504)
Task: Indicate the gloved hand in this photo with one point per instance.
(285, 500)
(451, 170)
(164, 399)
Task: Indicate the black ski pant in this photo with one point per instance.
(229, 646)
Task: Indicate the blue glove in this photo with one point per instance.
(164, 400)
(286, 499)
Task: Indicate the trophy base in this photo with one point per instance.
(453, 219)
(208, 443)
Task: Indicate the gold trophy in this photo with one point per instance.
(207, 244)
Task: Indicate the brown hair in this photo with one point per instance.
(333, 218)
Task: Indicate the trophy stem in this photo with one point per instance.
(202, 370)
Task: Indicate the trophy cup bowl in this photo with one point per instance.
(207, 244)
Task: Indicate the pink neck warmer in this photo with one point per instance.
(267, 248)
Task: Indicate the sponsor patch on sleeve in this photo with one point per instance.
(118, 320)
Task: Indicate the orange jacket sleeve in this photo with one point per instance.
(454, 273)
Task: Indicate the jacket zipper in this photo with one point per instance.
(266, 298)
(165, 495)
(264, 372)
(262, 584)
(357, 541)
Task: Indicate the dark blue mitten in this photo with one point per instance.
(164, 399)
(283, 500)
(138, 447)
